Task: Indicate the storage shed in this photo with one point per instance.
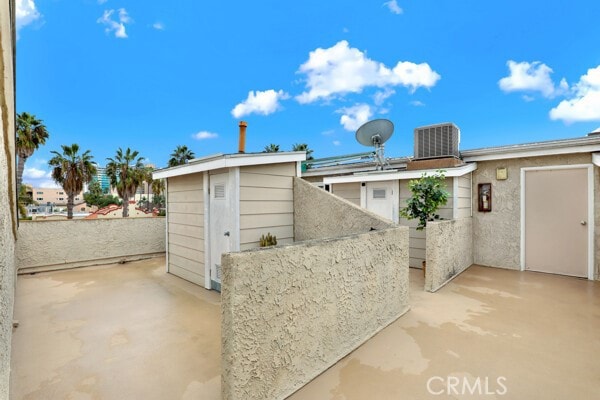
(224, 203)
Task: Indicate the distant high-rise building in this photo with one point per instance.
(102, 178)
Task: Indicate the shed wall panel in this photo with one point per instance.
(185, 218)
(266, 203)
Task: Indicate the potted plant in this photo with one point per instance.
(428, 195)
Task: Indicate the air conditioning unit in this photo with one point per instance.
(434, 141)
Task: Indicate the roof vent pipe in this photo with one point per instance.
(242, 142)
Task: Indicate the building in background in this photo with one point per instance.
(54, 200)
(102, 178)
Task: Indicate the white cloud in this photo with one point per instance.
(534, 77)
(26, 12)
(117, 26)
(393, 6)
(584, 105)
(159, 26)
(341, 69)
(264, 103)
(336, 143)
(383, 95)
(417, 103)
(353, 117)
(35, 173)
(328, 132)
(203, 135)
(102, 1)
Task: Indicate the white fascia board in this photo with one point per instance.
(228, 161)
(530, 153)
(400, 175)
(596, 159)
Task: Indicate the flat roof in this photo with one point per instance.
(378, 176)
(218, 161)
(586, 144)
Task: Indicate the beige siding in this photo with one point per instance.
(463, 196)
(266, 203)
(185, 218)
(348, 191)
(417, 238)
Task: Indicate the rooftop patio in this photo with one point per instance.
(133, 331)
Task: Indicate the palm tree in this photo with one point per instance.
(72, 170)
(126, 173)
(31, 133)
(271, 148)
(181, 155)
(303, 147)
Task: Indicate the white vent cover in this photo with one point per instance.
(379, 193)
(220, 191)
(439, 140)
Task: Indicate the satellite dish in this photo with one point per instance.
(374, 134)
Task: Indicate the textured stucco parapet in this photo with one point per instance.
(449, 251)
(8, 220)
(290, 312)
(319, 214)
(80, 242)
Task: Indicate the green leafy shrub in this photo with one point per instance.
(428, 195)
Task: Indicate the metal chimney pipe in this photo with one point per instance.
(242, 142)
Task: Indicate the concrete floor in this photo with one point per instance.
(127, 331)
(133, 332)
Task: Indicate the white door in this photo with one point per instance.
(220, 225)
(557, 221)
(382, 199)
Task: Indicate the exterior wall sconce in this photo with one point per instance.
(484, 195)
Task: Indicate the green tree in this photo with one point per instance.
(72, 170)
(126, 173)
(271, 148)
(25, 199)
(303, 147)
(181, 155)
(31, 133)
(95, 196)
(428, 195)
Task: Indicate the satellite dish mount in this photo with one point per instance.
(374, 134)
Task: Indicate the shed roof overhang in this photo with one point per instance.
(218, 161)
(399, 175)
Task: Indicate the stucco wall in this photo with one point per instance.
(67, 244)
(8, 223)
(319, 214)
(290, 312)
(449, 251)
(497, 234)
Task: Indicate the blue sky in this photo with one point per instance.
(153, 75)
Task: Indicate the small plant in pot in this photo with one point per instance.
(428, 195)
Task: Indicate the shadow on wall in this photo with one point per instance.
(318, 214)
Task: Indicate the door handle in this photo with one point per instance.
(226, 233)
(583, 223)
